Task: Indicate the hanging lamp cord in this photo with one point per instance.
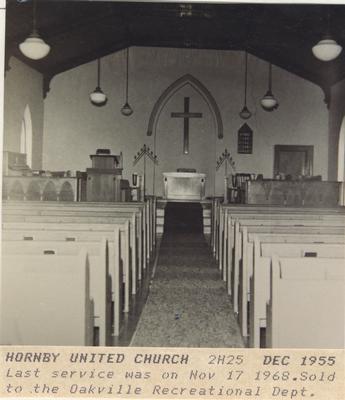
(328, 29)
(127, 57)
(270, 77)
(98, 72)
(34, 27)
(245, 79)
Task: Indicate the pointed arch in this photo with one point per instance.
(4, 190)
(176, 86)
(49, 192)
(66, 192)
(341, 152)
(16, 192)
(33, 191)
(26, 136)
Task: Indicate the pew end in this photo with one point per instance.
(303, 291)
(35, 311)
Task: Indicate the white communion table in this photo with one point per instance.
(184, 186)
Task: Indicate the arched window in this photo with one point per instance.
(26, 136)
(341, 152)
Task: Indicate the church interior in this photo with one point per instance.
(173, 174)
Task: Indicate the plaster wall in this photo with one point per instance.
(74, 128)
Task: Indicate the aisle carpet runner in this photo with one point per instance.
(188, 305)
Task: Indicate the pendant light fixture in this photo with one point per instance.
(245, 113)
(34, 46)
(97, 97)
(327, 49)
(127, 110)
(269, 102)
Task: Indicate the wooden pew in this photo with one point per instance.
(74, 232)
(58, 211)
(294, 221)
(215, 214)
(221, 212)
(252, 211)
(146, 215)
(46, 300)
(235, 244)
(260, 282)
(106, 279)
(322, 217)
(268, 218)
(264, 218)
(96, 209)
(246, 262)
(146, 212)
(87, 220)
(307, 304)
(74, 214)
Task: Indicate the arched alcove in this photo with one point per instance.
(16, 192)
(341, 152)
(49, 192)
(66, 192)
(4, 190)
(26, 136)
(175, 87)
(200, 154)
(33, 192)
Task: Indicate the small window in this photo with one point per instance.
(245, 140)
(341, 152)
(26, 136)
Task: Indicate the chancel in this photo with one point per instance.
(177, 224)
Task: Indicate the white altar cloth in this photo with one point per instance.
(184, 185)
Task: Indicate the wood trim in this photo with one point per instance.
(175, 87)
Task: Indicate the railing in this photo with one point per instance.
(43, 188)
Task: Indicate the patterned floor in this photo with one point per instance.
(187, 305)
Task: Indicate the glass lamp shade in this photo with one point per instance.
(245, 113)
(127, 110)
(34, 47)
(97, 97)
(268, 102)
(326, 49)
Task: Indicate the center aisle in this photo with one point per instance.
(188, 305)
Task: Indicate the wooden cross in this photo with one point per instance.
(186, 115)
